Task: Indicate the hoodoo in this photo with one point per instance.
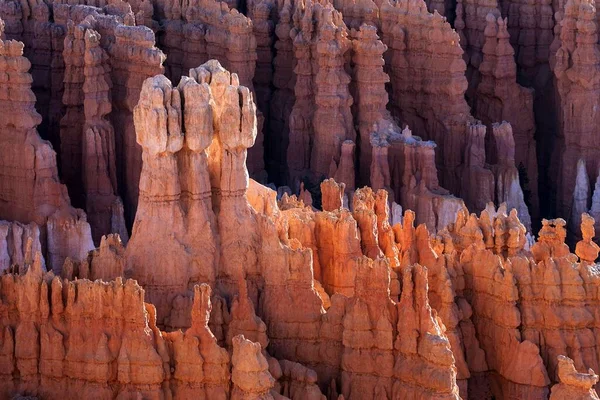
(299, 199)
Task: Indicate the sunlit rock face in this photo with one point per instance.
(409, 247)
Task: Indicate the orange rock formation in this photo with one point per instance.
(30, 188)
(414, 148)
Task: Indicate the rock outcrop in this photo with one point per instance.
(321, 119)
(277, 263)
(536, 278)
(250, 374)
(19, 244)
(508, 189)
(104, 206)
(332, 120)
(414, 148)
(499, 98)
(470, 25)
(283, 98)
(576, 68)
(371, 98)
(573, 384)
(532, 25)
(427, 95)
(174, 182)
(391, 158)
(30, 187)
(194, 32)
(134, 58)
(132, 357)
(477, 185)
(58, 53)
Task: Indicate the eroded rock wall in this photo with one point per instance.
(31, 189)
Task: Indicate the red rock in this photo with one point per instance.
(252, 290)
(31, 190)
(569, 64)
(499, 98)
(573, 385)
(323, 100)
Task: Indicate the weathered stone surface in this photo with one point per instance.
(576, 66)
(194, 32)
(573, 384)
(371, 98)
(321, 119)
(131, 356)
(308, 288)
(30, 187)
(499, 98)
(250, 375)
(104, 206)
(508, 189)
(174, 183)
(132, 58)
(471, 16)
(18, 245)
(391, 158)
(427, 95)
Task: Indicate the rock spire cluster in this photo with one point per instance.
(299, 199)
